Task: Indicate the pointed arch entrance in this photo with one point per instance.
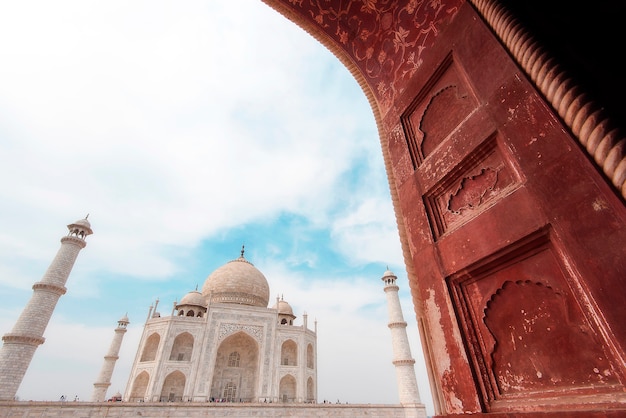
(288, 389)
(139, 387)
(236, 369)
(173, 387)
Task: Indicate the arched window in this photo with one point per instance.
(233, 359)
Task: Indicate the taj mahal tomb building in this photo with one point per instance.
(224, 344)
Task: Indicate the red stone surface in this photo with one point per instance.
(515, 243)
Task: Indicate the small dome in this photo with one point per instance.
(389, 273)
(284, 308)
(193, 298)
(124, 320)
(389, 278)
(83, 222)
(80, 228)
(237, 281)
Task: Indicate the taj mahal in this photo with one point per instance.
(501, 127)
(221, 345)
(243, 352)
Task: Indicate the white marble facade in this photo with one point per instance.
(224, 344)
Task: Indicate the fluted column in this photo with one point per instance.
(20, 344)
(402, 360)
(104, 378)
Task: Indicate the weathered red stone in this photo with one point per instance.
(514, 237)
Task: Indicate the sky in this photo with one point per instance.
(185, 130)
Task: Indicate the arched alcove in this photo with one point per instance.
(236, 368)
(289, 353)
(182, 348)
(139, 387)
(150, 347)
(288, 389)
(173, 387)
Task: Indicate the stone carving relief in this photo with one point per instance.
(527, 331)
(456, 151)
(228, 329)
(385, 40)
(470, 188)
(445, 111)
(441, 108)
(541, 342)
(473, 191)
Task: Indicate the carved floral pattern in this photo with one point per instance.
(473, 191)
(385, 39)
(229, 329)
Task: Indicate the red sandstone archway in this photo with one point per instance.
(500, 171)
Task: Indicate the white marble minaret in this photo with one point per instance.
(104, 378)
(27, 334)
(405, 371)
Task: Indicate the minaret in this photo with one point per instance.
(104, 378)
(405, 372)
(27, 334)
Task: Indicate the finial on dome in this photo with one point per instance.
(242, 250)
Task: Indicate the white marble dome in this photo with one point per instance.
(193, 298)
(237, 281)
(284, 308)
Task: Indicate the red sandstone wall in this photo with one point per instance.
(514, 241)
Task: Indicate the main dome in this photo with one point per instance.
(237, 281)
